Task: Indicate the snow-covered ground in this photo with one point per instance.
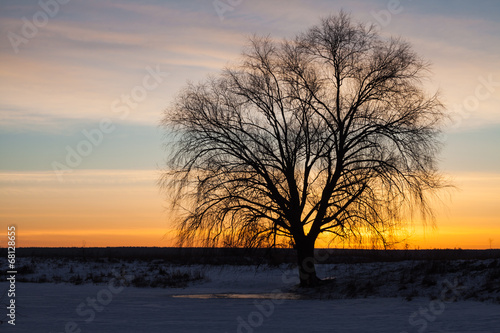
(239, 299)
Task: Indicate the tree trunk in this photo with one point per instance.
(305, 256)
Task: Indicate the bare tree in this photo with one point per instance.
(331, 133)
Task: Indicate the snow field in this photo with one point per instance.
(375, 297)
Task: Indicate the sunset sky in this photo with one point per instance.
(83, 85)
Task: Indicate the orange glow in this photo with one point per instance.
(96, 238)
(95, 208)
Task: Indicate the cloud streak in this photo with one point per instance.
(91, 53)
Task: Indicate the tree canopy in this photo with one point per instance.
(331, 132)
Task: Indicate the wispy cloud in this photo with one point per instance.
(45, 179)
(93, 52)
(75, 69)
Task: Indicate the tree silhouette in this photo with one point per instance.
(331, 133)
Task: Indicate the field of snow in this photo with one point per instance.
(229, 298)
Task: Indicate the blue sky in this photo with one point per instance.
(90, 53)
(81, 67)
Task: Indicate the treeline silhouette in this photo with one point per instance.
(247, 256)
